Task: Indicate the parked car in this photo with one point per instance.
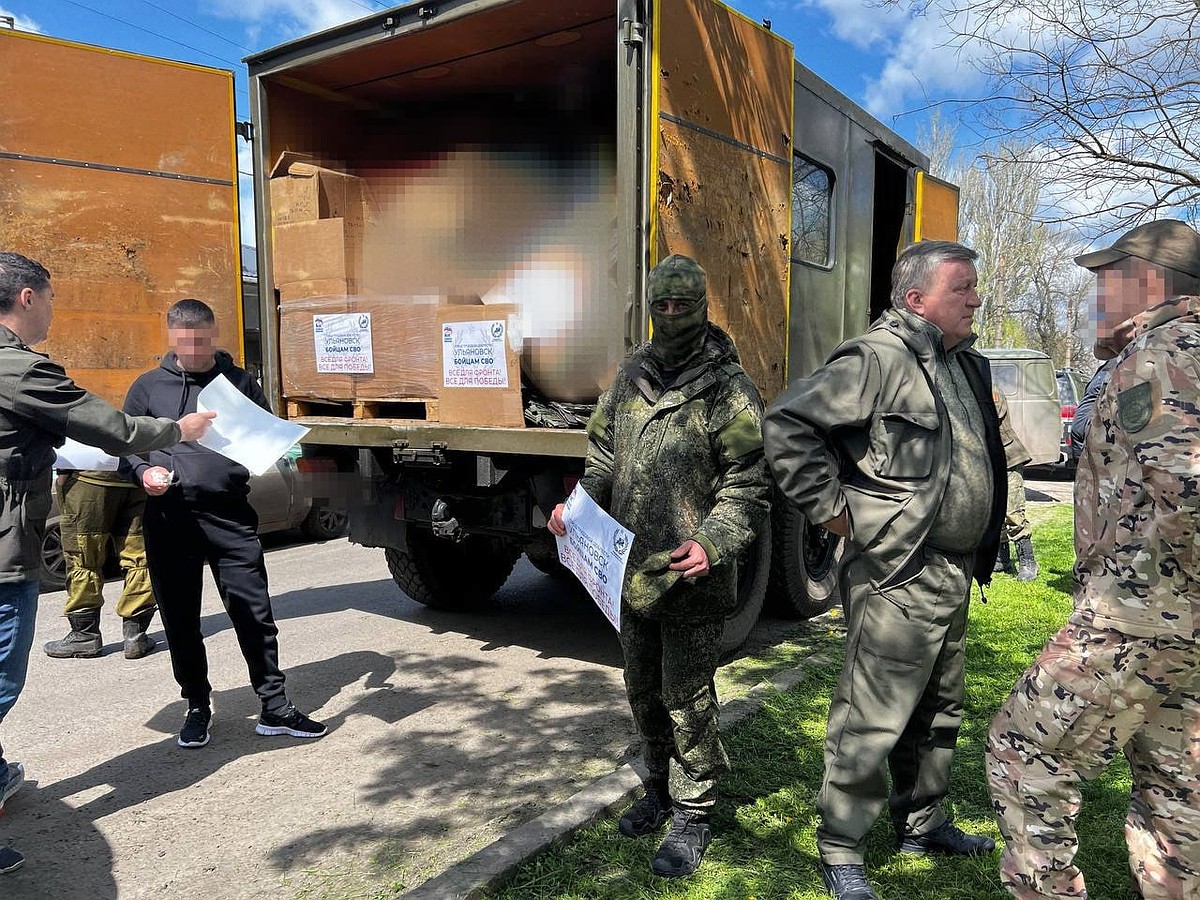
(1027, 379)
(1070, 390)
(282, 497)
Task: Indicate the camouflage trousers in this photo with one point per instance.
(669, 668)
(1090, 694)
(898, 704)
(1016, 522)
(95, 516)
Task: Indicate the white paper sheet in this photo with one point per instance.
(243, 431)
(596, 549)
(81, 457)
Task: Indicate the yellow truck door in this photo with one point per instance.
(119, 173)
(721, 169)
(936, 216)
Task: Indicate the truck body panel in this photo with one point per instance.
(129, 211)
(723, 97)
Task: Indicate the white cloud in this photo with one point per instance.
(289, 18)
(20, 22)
(246, 192)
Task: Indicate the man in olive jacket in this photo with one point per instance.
(40, 407)
(894, 443)
(675, 455)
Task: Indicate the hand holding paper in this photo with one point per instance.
(243, 431)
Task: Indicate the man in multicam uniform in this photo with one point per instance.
(1124, 673)
(675, 455)
(894, 443)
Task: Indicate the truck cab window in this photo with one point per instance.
(812, 207)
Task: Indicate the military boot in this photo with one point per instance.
(683, 848)
(650, 812)
(82, 641)
(1004, 559)
(137, 642)
(1027, 567)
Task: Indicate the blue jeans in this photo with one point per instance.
(18, 615)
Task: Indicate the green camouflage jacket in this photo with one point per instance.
(868, 431)
(682, 463)
(1137, 507)
(40, 407)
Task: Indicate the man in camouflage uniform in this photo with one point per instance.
(1016, 522)
(100, 509)
(894, 444)
(1124, 673)
(675, 455)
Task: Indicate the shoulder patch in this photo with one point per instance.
(1135, 407)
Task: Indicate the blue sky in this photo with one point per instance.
(860, 47)
(885, 58)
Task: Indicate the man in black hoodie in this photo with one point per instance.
(198, 512)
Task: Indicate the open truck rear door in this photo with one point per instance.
(721, 159)
(937, 209)
(119, 173)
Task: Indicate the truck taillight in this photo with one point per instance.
(1068, 412)
(569, 482)
(309, 464)
(398, 509)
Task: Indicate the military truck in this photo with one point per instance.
(538, 158)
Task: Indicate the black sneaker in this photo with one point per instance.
(649, 813)
(10, 859)
(289, 720)
(194, 732)
(847, 882)
(682, 849)
(948, 840)
(14, 776)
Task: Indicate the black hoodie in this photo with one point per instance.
(169, 391)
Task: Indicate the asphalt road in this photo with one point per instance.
(445, 730)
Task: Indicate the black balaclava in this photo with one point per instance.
(678, 339)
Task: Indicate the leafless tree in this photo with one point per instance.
(1103, 95)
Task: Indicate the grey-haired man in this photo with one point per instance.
(894, 443)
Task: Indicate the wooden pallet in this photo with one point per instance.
(419, 408)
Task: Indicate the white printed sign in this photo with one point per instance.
(343, 343)
(473, 354)
(243, 431)
(596, 549)
(81, 457)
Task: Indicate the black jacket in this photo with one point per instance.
(169, 391)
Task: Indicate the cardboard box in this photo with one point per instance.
(480, 365)
(298, 357)
(302, 191)
(315, 251)
(403, 350)
(324, 287)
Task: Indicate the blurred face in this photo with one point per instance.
(194, 347)
(1122, 290)
(949, 302)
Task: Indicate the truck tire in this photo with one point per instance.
(544, 557)
(804, 566)
(441, 574)
(754, 574)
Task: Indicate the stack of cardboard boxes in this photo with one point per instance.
(340, 341)
(344, 341)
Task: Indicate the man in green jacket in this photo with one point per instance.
(675, 455)
(894, 444)
(40, 407)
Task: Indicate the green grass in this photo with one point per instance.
(764, 827)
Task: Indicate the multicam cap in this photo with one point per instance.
(1167, 242)
(676, 277)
